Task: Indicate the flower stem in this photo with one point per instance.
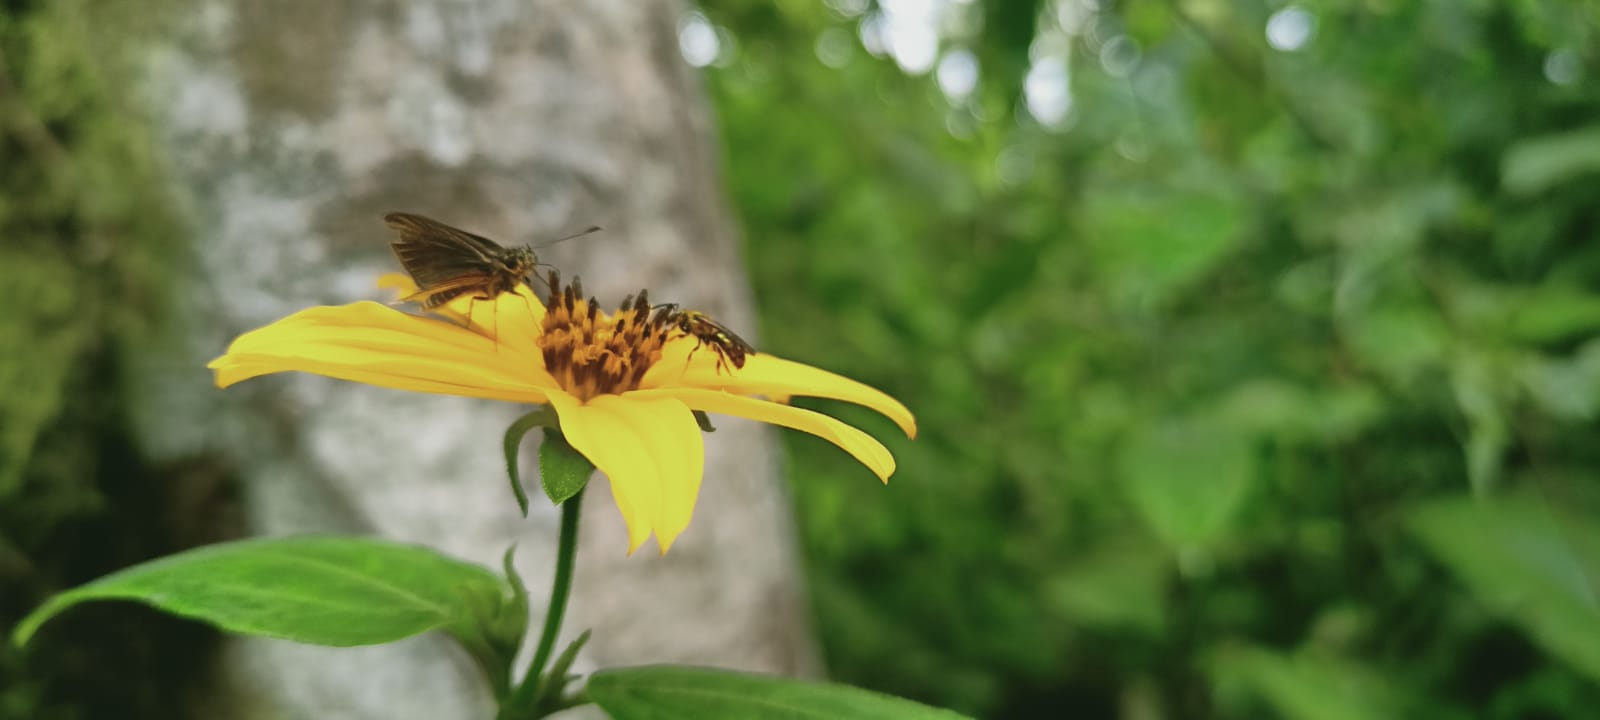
(566, 552)
(527, 693)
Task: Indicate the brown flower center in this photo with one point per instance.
(590, 352)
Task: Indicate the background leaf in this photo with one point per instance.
(1538, 163)
(1306, 685)
(318, 590)
(1189, 479)
(1271, 282)
(672, 693)
(1528, 561)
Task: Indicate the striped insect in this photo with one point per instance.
(729, 347)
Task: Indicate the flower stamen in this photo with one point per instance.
(590, 352)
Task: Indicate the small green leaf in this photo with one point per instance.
(1307, 685)
(704, 421)
(1189, 479)
(1554, 312)
(1121, 585)
(1151, 243)
(562, 470)
(513, 441)
(318, 590)
(667, 692)
(556, 679)
(512, 624)
(1542, 162)
(1531, 561)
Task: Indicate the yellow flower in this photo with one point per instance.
(623, 384)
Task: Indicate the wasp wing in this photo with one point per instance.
(730, 336)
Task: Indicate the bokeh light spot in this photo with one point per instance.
(1290, 28)
(834, 48)
(1047, 90)
(1563, 67)
(697, 40)
(957, 73)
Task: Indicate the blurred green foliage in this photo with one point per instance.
(1264, 384)
(85, 238)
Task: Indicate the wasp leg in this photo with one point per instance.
(696, 349)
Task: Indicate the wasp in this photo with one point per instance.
(448, 262)
(729, 347)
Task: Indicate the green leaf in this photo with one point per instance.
(1189, 478)
(1122, 585)
(544, 416)
(1565, 388)
(1270, 407)
(562, 470)
(704, 421)
(555, 681)
(1151, 243)
(1482, 393)
(1550, 313)
(1307, 685)
(1402, 342)
(318, 590)
(667, 692)
(1539, 163)
(1533, 563)
(511, 625)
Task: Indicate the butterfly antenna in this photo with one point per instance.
(586, 231)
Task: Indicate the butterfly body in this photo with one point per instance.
(447, 262)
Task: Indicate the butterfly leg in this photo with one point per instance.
(494, 322)
(527, 304)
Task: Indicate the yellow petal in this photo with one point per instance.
(510, 316)
(651, 452)
(401, 283)
(769, 375)
(862, 446)
(233, 369)
(372, 343)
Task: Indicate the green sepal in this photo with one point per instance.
(544, 416)
(704, 421)
(553, 686)
(563, 471)
(509, 628)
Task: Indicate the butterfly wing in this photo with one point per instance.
(436, 254)
(433, 296)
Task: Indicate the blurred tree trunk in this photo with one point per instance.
(288, 130)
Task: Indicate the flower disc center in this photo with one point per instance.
(590, 352)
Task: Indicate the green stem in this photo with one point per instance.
(527, 692)
(566, 553)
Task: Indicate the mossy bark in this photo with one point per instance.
(88, 243)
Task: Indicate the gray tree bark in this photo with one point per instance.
(288, 129)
